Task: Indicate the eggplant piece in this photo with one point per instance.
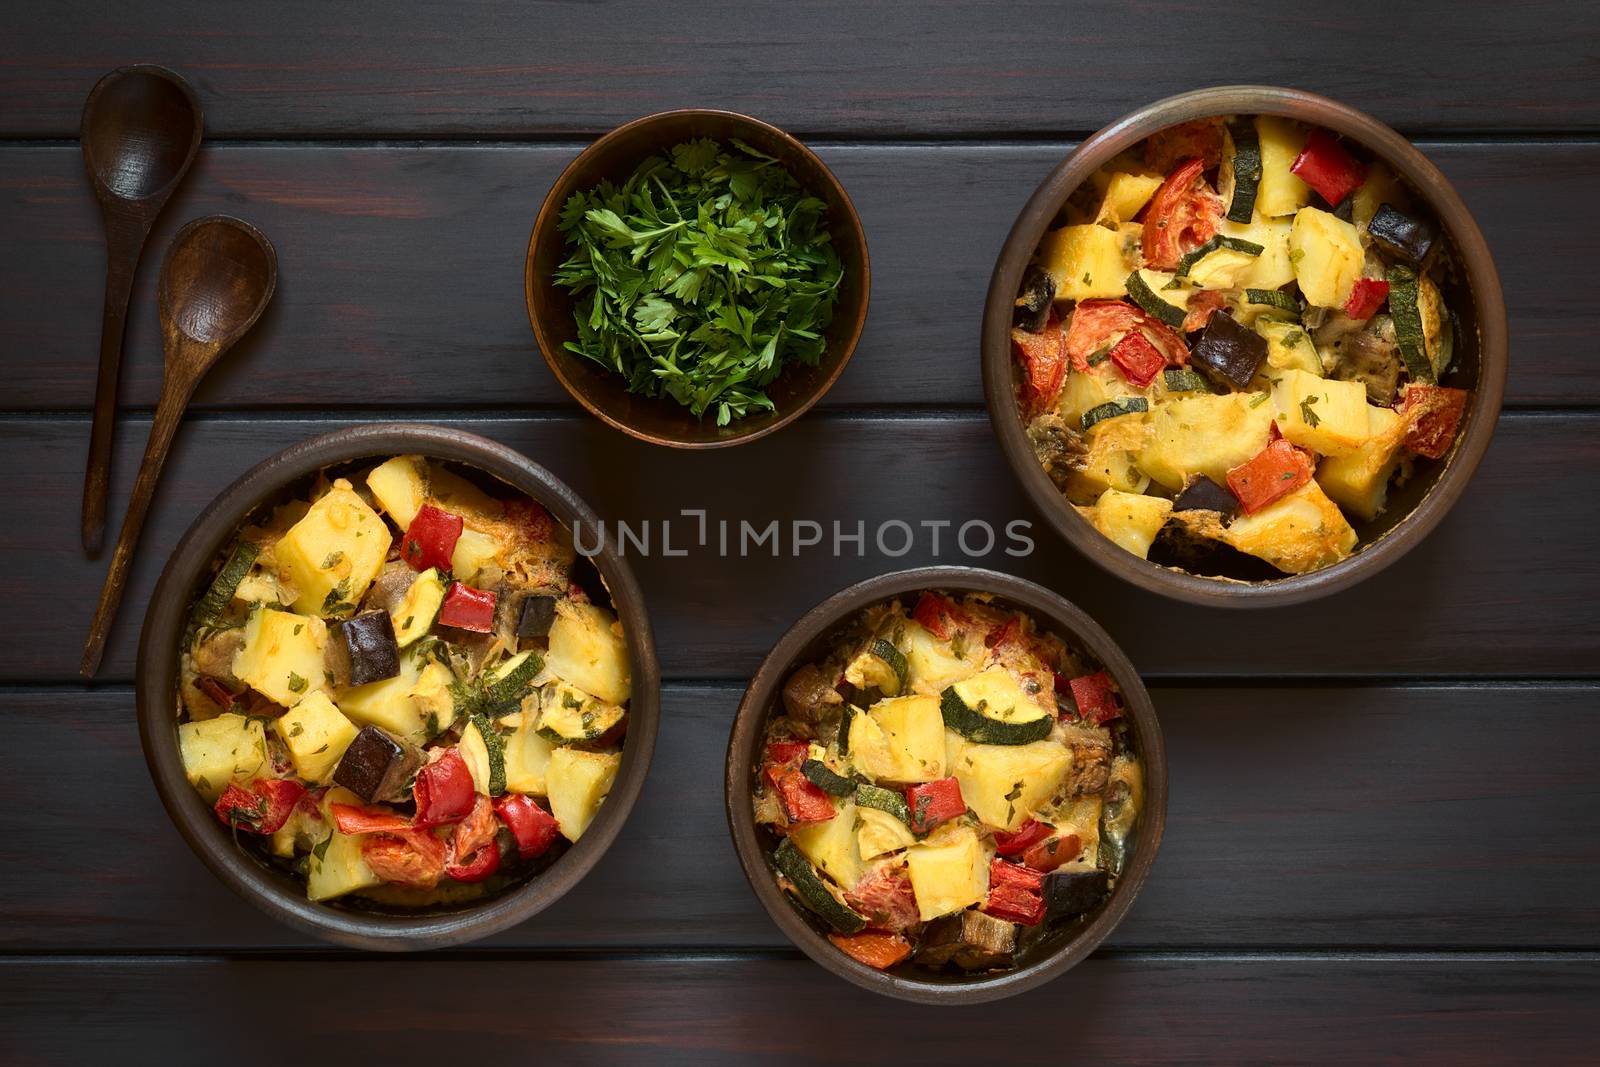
(1068, 893)
(1401, 235)
(970, 939)
(1061, 448)
(1033, 305)
(1229, 351)
(1091, 760)
(378, 766)
(1203, 494)
(537, 614)
(1369, 354)
(809, 695)
(368, 642)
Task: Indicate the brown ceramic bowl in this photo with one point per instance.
(271, 889)
(664, 422)
(1473, 294)
(1064, 947)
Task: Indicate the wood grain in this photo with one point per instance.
(1469, 602)
(1424, 816)
(511, 69)
(402, 270)
(1123, 1010)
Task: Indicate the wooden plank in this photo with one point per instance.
(1524, 541)
(413, 69)
(401, 270)
(1236, 1011)
(1427, 816)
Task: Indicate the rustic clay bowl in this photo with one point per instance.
(273, 890)
(665, 422)
(1473, 294)
(809, 637)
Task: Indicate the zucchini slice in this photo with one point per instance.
(813, 892)
(212, 606)
(875, 796)
(495, 745)
(879, 666)
(1403, 295)
(1273, 298)
(991, 709)
(570, 716)
(1122, 405)
(827, 780)
(1184, 380)
(1232, 244)
(1152, 304)
(1241, 169)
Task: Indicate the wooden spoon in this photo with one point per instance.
(140, 132)
(216, 281)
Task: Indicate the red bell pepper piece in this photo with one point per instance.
(1433, 414)
(412, 858)
(353, 819)
(1016, 842)
(877, 950)
(939, 616)
(1327, 167)
(1015, 893)
(1043, 356)
(473, 854)
(534, 828)
(1095, 322)
(1181, 216)
(802, 800)
(1138, 359)
(1053, 851)
(444, 791)
(1366, 297)
(430, 540)
(1274, 472)
(933, 803)
(1096, 697)
(467, 608)
(263, 808)
(787, 753)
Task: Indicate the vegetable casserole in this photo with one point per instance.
(1236, 345)
(404, 686)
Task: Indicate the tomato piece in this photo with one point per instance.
(940, 616)
(1181, 216)
(413, 858)
(1203, 304)
(1096, 697)
(877, 950)
(444, 791)
(1366, 297)
(934, 802)
(1018, 841)
(534, 828)
(430, 540)
(1044, 362)
(261, 809)
(1326, 166)
(473, 854)
(1201, 138)
(1096, 323)
(1433, 415)
(467, 608)
(1053, 851)
(352, 819)
(787, 753)
(1138, 359)
(885, 898)
(1268, 476)
(802, 800)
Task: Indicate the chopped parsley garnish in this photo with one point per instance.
(333, 560)
(701, 276)
(1259, 399)
(297, 684)
(1307, 414)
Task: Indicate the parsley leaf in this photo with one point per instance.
(1311, 418)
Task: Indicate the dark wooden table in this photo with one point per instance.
(1382, 836)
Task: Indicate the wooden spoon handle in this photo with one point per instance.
(124, 243)
(174, 398)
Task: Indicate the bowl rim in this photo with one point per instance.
(1478, 267)
(550, 212)
(764, 689)
(157, 670)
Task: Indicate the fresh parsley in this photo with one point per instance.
(1310, 417)
(701, 276)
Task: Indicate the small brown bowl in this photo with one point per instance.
(1474, 295)
(272, 890)
(1055, 954)
(550, 307)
